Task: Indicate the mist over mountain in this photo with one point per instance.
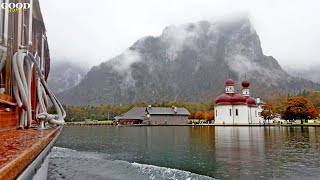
(65, 75)
(188, 62)
(310, 72)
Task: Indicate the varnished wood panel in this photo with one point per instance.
(20, 147)
(9, 119)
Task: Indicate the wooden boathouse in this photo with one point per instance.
(155, 116)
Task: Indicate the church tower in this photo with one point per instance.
(229, 86)
(245, 90)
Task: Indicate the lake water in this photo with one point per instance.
(186, 152)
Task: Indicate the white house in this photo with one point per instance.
(234, 108)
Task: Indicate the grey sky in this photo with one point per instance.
(90, 32)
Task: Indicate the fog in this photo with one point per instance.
(90, 32)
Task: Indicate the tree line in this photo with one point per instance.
(302, 105)
(198, 110)
(307, 103)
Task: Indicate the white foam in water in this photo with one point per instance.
(157, 172)
(61, 149)
(70, 164)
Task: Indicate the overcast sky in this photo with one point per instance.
(93, 31)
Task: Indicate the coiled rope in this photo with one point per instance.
(23, 63)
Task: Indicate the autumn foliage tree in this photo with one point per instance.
(268, 111)
(192, 115)
(203, 115)
(199, 115)
(299, 107)
(208, 115)
(278, 102)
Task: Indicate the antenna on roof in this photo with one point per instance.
(175, 109)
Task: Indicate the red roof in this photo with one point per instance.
(238, 99)
(230, 99)
(251, 101)
(223, 99)
(229, 82)
(235, 98)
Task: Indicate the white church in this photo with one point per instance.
(234, 108)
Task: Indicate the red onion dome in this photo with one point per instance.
(238, 99)
(223, 99)
(229, 99)
(251, 101)
(245, 83)
(229, 82)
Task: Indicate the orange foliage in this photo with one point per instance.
(209, 115)
(206, 115)
(199, 115)
(268, 111)
(192, 115)
(299, 107)
(277, 103)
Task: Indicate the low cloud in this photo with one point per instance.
(123, 62)
(288, 29)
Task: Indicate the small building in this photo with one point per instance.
(135, 115)
(155, 116)
(234, 108)
(166, 116)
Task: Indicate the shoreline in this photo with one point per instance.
(235, 125)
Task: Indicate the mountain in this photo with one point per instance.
(188, 62)
(65, 75)
(310, 72)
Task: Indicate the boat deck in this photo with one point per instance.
(18, 148)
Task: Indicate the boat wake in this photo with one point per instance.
(70, 164)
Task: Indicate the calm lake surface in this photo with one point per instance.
(183, 152)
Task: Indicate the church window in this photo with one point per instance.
(237, 112)
(230, 112)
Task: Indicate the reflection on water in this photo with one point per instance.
(219, 152)
(270, 152)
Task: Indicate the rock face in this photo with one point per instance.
(186, 63)
(64, 75)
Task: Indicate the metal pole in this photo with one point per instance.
(30, 23)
